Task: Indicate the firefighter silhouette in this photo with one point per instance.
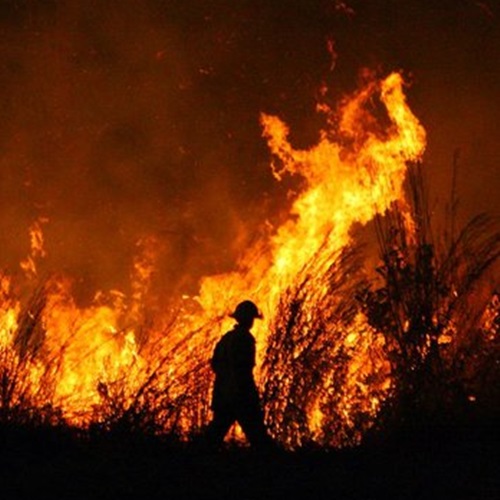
(235, 397)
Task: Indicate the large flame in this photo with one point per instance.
(354, 172)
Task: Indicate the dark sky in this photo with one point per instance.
(121, 118)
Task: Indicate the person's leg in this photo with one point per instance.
(251, 420)
(218, 428)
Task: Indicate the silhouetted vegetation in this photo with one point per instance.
(433, 310)
(307, 359)
(436, 304)
(426, 349)
(22, 401)
(164, 405)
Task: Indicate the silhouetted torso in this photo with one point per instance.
(233, 362)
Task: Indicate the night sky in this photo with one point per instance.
(122, 119)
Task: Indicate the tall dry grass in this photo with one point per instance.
(433, 308)
(165, 403)
(307, 360)
(433, 331)
(431, 302)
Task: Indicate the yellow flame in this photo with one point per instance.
(355, 171)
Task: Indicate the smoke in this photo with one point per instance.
(111, 129)
(127, 119)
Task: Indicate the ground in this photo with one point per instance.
(454, 466)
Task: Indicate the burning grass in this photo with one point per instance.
(346, 352)
(419, 343)
(431, 305)
(339, 352)
(316, 388)
(133, 399)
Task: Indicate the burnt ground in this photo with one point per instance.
(445, 464)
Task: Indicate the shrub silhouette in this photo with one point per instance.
(431, 306)
(433, 321)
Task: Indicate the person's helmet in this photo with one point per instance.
(246, 310)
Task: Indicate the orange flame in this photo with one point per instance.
(37, 249)
(354, 172)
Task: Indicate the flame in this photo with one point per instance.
(355, 171)
(37, 248)
(343, 186)
(95, 349)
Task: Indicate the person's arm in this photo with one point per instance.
(215, 362)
